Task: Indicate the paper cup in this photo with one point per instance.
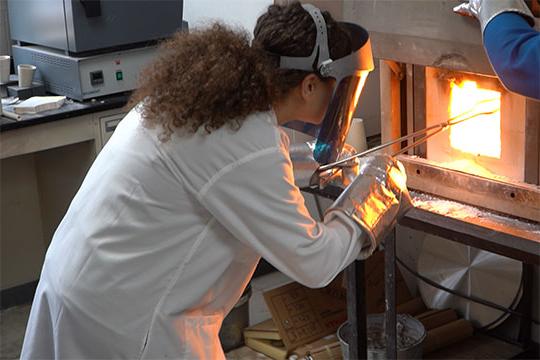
(357, 135)
(5, 61)
(26, 74)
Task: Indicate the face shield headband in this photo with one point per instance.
(350, 73)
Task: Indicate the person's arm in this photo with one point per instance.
(257, 201)
(513, 47)
(512, 44)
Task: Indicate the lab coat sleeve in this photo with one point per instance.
(257, 201)
(513, 47)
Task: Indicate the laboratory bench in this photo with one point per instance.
(43, 160)
(69, 110)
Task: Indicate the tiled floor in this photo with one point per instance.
(12, 327)
(13, 320)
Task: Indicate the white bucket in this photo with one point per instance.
(409, 344)
(357, 135)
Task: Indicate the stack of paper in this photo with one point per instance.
(265, 330)
(38, 104)
(265, 338)
(272, 348)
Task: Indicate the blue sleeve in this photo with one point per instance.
(513, 48)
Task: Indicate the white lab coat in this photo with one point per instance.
(161, 239)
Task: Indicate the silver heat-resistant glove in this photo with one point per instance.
(305, 166)
(375, 200)
(486, 10)
(342, 175)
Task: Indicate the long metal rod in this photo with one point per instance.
(377, 148)
(526, 305)
(418, 142)
(452, 121)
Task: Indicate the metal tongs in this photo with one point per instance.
(434, 128)
(427, 133)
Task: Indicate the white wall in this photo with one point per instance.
(369, 104)
(234, 12)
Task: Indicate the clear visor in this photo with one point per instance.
(337, 121)
(350, 73)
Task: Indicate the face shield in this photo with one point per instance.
(350, 73)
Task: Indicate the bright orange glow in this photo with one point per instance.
(398, 177)
(359, 88)
(470, 167)
(480, 135)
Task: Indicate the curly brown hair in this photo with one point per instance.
(290, 31)
(211, 77)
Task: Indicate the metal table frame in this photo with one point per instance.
(508, 243)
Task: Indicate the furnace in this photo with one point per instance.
(433, 68)
(475, 183)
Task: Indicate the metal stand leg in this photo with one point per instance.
(526, 306)
(356, 310)
(390, 294)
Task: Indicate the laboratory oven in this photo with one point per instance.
(85, 49)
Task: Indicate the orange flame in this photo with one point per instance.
(480, 135)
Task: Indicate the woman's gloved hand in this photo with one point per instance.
(340, 176)
(348, 171)
(305, 167)
(375, 199)
(486, 10)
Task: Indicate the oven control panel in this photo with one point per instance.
(114, 72)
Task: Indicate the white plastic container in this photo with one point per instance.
(409, 348)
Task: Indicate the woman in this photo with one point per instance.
(193, 187)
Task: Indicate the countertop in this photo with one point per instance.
(70, 109)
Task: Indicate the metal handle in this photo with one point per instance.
(92, 8)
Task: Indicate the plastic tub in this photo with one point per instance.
(409, 342)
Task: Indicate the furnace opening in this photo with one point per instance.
(489, 144)
(480, 135)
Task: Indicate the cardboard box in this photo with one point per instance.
(303, 315)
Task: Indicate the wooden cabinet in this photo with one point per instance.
(42, 167)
